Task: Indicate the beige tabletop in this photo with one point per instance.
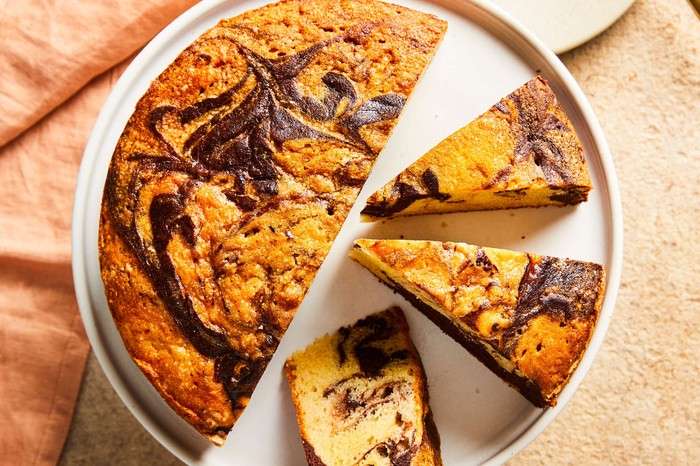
(640, 403)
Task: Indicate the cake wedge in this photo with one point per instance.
(361, 396)
(527, 317)
(522, 152)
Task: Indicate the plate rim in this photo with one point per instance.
(179, 26)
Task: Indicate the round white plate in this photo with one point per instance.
(565, 24)
(483, 57)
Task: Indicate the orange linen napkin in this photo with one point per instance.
(50, 51)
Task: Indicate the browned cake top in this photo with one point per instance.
(231, 180)
(535, 313)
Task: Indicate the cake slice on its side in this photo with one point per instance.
(528, 318)
(361, 396)
(522, 152)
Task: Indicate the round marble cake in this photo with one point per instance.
(231, 180)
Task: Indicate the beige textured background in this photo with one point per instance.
(640, 403)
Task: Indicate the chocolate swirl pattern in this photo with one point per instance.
(537, 130)
(361, 396)
(232, 179)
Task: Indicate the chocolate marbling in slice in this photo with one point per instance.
(527, 317)
(361, 397)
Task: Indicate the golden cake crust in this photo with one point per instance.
(361, 396)
(527, 317)
(522, 152)
(231, 180)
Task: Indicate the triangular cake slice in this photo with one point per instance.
(522, 152)
(361, 396)
(231, 180)
(527, 317)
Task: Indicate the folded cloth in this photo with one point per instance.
(51, 50)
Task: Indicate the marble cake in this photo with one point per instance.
(522, 152)
(231, 180)
(527, 317)
(361, 397)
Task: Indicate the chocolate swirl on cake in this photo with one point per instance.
(535, 133)
(238, 144)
